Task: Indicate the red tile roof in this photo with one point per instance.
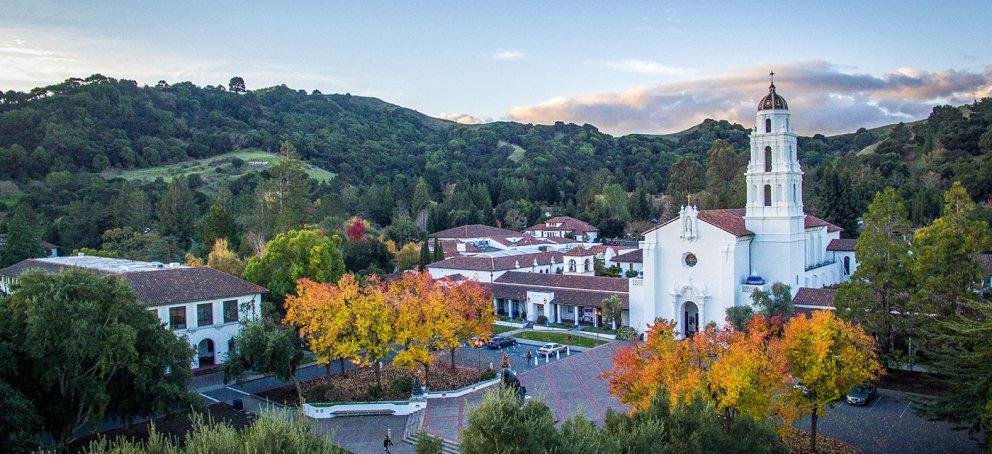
(474, 231)
(842, 244)
(731, 220)
(579, 252)
(819, 297)
(501, 263)
(635, 256)
(569, 289)
(568, 223)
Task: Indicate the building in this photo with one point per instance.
(842, 251)
(703, 262)
(561, 298)
(487, 267)
(47, 249)
(629, 261)
(199, 303)
(564, 226)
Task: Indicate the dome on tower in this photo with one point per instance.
(772, 100)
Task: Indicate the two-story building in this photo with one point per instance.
(202, 304)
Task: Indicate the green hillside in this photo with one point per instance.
(221, 167)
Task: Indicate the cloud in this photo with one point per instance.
(508, 55)
(462, 118)
(643, 66)
(824, 98)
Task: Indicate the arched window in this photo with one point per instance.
(847, 265)
(768, 125)
(585, 265)
(768, 159)
(768, 195)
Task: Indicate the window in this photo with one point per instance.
(204, 314)
(847, 265)
(768, 159)
(768, 195)
(768, 125)
(690, 259)
(230, 311)
(177, 317)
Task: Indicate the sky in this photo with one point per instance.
(625, 67)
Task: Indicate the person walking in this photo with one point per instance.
(529, 357)
(388, 441)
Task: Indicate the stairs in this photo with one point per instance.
(411, 431)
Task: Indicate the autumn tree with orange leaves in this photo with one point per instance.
(472, 305)
(424, 324)
(324, 317)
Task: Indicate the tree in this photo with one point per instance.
(686, 179)
(216, 225)
(356, 229)
(828, 356)
(375, 325)
(424, 322)
(739, 317)
(126, 243)
(177, 211)
(223, 259)
(945, 266)
(367, 257)
(613, 310)
(505, 424)
(267, 348)
(438, 250)
(421, 196)
(962, 360)
(472, 307)
(778, 303)
(292, 256)
(877, 297)
(236, 85)
(324, 316)
(21, 242)
(282, 201)
(722, 167)
(408, 257)
(59, 328)
(425, 255)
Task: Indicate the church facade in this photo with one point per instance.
(705, 261)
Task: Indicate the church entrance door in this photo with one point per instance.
(690, 318)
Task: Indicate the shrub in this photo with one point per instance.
(542, 320)
(374, 393)
(237, 162)
(626, 333)
(427, 444)
(487, 374)
(631, 273)
(324, 390)
(401, 385)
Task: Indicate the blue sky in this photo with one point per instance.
(625, 67)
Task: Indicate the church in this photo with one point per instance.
(704, 261)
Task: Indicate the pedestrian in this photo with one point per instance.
(388, 441)
(530, 356)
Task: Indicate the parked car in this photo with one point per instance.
(550, 349)
(862, 394)
(498, 342)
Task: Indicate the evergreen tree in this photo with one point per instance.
(877, 296)
(421, 196)
(284, 194)
(177, 211)
(438, 251)
(21, 241)
(216, 225)
(777, 303)
(946, 267)
(686, 179)
(837, 201)
(425, 255)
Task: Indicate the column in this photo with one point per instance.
(575, 310)
(547, 310)
(495, 306)
(557, 313)
(595, 319)
(511, 304)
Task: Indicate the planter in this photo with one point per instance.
(462, 391)
(386, 407)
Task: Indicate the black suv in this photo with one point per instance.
(498, 342)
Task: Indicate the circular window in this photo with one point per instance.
(690, 259)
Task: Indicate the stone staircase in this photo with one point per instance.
(414, 423)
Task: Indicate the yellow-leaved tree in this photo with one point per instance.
(222, 258)
(472, 307)
(424, 323)
(828, 357)
(324, 317)
(408, 257)
(749, 376)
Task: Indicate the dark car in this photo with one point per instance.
(862, 394)
(498, 342)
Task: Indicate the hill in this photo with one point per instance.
(215, 170)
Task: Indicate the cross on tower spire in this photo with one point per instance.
(771, 76)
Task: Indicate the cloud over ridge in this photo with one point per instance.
(825, 98)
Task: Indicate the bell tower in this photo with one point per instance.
(774, 210)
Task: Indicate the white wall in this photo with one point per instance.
(249, 306)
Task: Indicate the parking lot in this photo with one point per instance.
(889, 425)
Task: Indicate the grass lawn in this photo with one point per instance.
(498, 329)
(561, 338)
(215, 167)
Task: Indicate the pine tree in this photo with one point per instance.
(438, 251)
(177, 211)
(425, 255)
(216, 224)
(686, 178)
(21, 242)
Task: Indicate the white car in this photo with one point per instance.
(550, 349)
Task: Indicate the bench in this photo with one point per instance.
(371, 412)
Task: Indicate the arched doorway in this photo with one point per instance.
(690, 318)
(205, 353)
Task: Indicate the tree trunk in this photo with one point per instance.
(812, 430)
(453, 358)
(341, 362)
(378, 373)
(299, 391)
(427, 375)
